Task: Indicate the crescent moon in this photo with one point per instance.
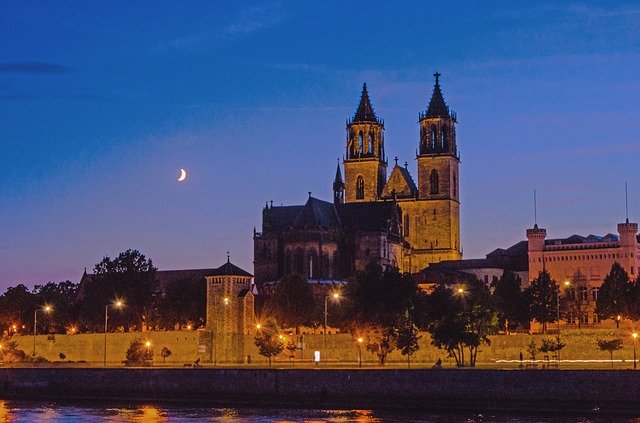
(183, 175)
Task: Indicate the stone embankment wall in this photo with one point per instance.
(187, 346)
(585, 392)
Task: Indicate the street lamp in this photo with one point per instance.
(116, 304)
(360, 352)
(335, 296)
(635, 336)
(47, 309)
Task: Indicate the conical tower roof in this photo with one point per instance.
(365, 112)
(338, 178)
(437, 106)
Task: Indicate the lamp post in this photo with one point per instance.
(360, 352)
(635, 337)
(335, 296)
(117, 304)
(148, 345)
(47, 309)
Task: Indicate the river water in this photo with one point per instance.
(44, 411)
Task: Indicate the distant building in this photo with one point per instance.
(592, 256)
(229, 307)
(394, 221)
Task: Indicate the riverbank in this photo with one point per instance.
(531, 391)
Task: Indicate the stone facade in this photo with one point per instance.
(230, 312)
(592, 256)
(391, 221)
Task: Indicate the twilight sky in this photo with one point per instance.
(101, 103)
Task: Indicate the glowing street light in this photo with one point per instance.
(335, 296)
(226, 301)
(360, 340)
(258, 326)
(635, 337)
(116, 304)
(47, 309)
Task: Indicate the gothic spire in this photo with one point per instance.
(338, 179)
(365, 112)
(437, 106)
(338, 187)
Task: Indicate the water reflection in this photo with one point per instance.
(5, 412)
(28, 411)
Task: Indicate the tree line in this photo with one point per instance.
(129, 278)
(385, 310)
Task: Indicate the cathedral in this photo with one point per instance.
(374, 216)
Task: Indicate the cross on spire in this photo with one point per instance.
(396, 159)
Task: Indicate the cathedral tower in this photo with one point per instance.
(438, 190)
(365, 165)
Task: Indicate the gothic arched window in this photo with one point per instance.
(360, 142)
(298, 262)
(455, 188)
(370, 146)
(406, 225)
(360, 188)
(443, 133)
(313, 264)
(435, 182)
(432, 137)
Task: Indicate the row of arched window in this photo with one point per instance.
(434, 139)
(434, 185)
(359, 148)
(309, 264)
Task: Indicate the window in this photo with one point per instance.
(298, 262)
(360, 143)
(432, 137)
(584, 319)
(406, 225)
(313, 264)
(455, 187)
(435, 182)
(594, 293)
(570, 319)
(443, 133)
(596, 318)
(486, 279)
(370, 149)
(584, 294)
(360, 188)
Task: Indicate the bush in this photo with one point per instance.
(138, 354)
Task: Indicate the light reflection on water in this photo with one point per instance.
(44, 411)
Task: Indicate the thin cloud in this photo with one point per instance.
(245, 23)
(34, 68)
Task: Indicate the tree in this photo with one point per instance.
(166, 352)
(461, 319)
(183, 301)
(62, 297)
(11, 353)
(543, 299)
(16, 307)
(510, 301)
(575, 301)
(407, 338)
(292, 302)
(268, 340)
(138, 354)
(130, 276)
(610, 346)
(613, 295)
(377, 301)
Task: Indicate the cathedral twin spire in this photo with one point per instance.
(365, 112)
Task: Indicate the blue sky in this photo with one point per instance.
(101, 104)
